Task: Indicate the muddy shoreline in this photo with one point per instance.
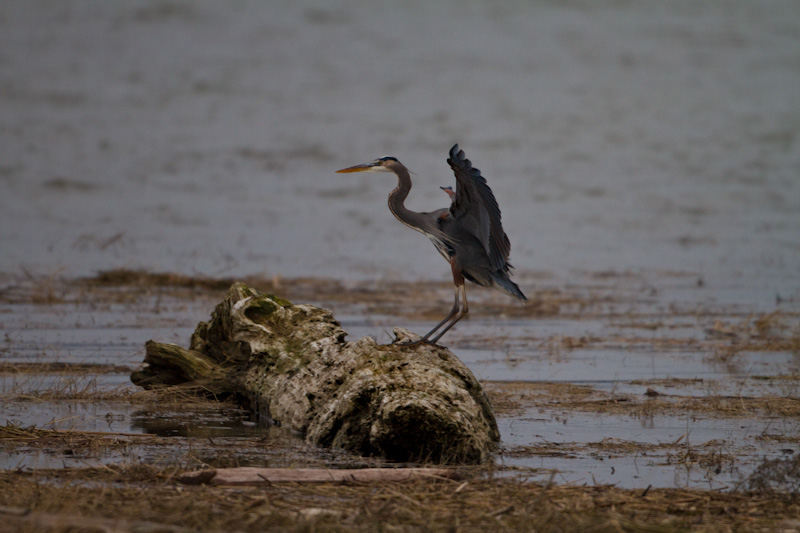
(704, 400)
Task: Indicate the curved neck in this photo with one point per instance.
(398, 196)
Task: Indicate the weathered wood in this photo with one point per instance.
(292, 365)
(261, 476)
(179, 366)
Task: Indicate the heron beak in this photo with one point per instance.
(358, 168)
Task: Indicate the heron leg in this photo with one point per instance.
(455, 314)
(450, 315)
(461, 313)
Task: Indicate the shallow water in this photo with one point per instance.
(645, 156)
(614, 369)
(623, 346)
(733, 440)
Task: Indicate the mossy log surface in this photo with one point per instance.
(292, 366)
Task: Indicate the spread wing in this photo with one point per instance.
(475, 207)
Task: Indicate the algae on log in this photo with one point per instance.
(291, 365)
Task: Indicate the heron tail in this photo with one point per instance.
(504, 283)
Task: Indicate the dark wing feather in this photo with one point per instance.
(475, 207)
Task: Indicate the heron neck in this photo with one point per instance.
(397, 198)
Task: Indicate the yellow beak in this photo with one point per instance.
(357, 168)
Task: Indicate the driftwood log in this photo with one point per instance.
(291, 365)
(248, 475)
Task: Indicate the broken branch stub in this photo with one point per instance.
(292, 365)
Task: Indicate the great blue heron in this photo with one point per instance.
(469, 234)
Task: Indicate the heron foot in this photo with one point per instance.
(412, 343)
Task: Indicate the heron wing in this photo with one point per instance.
(476, 208)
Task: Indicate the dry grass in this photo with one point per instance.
(423, 300)
(77, 381)
(778, 478)
(75, 443)
(141, 278)
(14, 432)
(515, 397)
(69, 388)
(148, 494)
(61, 368)
(778, 331)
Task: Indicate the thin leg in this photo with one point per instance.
(461, 314)
(450, 315)
(455, 314)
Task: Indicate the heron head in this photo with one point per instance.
(383, 164)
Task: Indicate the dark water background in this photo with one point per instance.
(202, 137)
